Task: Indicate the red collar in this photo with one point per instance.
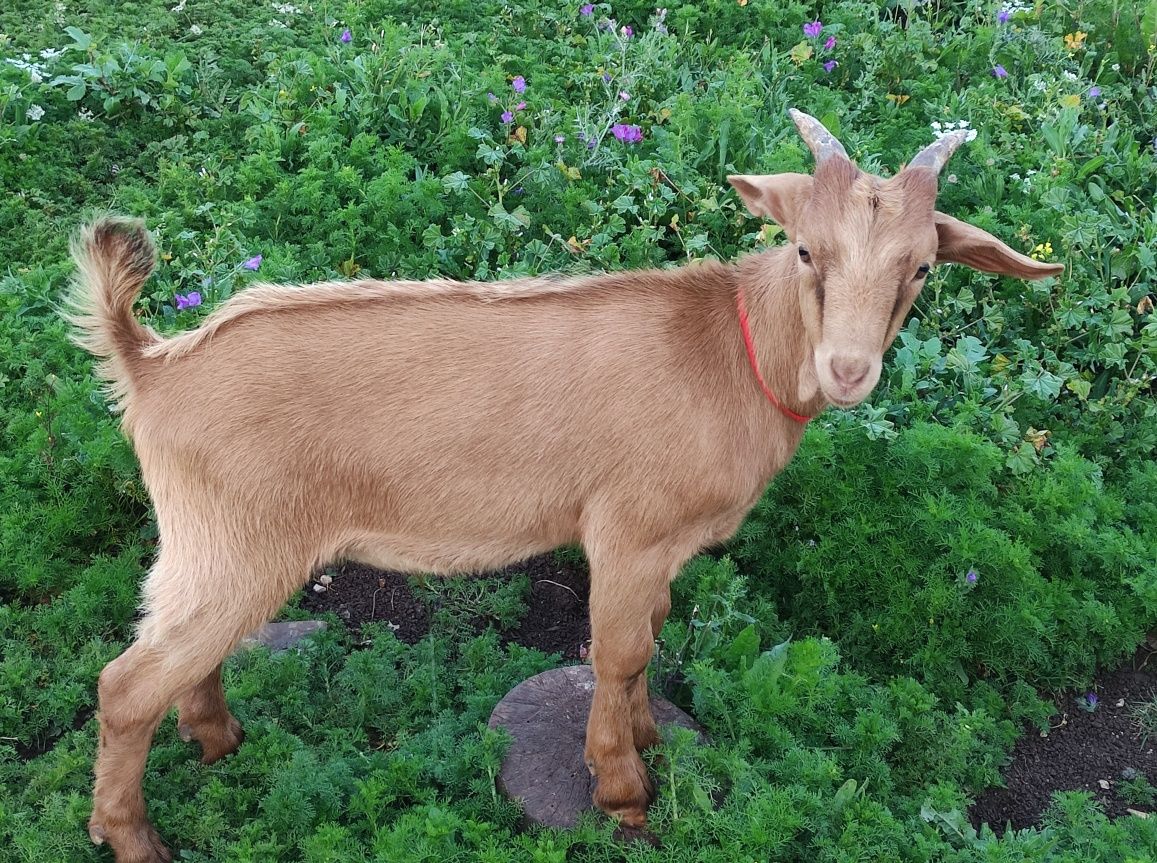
(747, 340)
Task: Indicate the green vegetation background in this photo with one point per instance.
(859, 688)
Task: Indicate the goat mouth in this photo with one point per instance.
(844, 402)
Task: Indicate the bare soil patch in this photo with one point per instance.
(1083, 751)
(556, 618)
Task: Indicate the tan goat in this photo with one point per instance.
(446, 427)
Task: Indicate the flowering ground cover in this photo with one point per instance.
(903, 605)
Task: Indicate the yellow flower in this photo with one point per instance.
(1075, 41)
(801, 52)
(1041, 251)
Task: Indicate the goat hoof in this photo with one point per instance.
(217, 739)
(624, 790)
(140, 844)
(225, 740)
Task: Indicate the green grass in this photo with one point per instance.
(858, 689)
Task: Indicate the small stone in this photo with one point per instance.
(1120, 702)
(326, 579)
(319, 588)
(1104, 783)
(283, 634)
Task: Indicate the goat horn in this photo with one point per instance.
(822, 143)
(937, 154)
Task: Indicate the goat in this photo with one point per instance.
(443, 427)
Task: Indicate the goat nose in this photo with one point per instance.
(849, 371)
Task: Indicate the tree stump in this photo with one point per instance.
(547, 717)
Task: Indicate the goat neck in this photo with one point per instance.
(770, 285)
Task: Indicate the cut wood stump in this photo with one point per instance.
(544, 768)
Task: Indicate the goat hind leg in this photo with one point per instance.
(177, 654)
(135, 691)
(203, 715)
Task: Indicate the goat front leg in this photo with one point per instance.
(622, 601)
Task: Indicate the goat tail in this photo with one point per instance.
(114, 256)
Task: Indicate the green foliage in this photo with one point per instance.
(857, 686)
(873, 542)
(1136, 790)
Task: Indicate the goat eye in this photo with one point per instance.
(805, 255)
(922, 271)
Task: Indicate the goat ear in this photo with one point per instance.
(775, 196)
(962, 243)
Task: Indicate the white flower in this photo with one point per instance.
(35, 71)
(1071, 76)
(34, 113)
(180, 7)
(51, 53)
(948, 128)
(196, 30)
(286, 9)
(85, 115)
(1116, 67)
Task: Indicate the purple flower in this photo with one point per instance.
(831, 64)
(587, 9)
(1091, 699)
(606, 77)
(830, 44)
(253, 263)
(999, 71)
(1003, 15)
(519, 84)
(627, 134)
(624, 95)
(972, 577)
(521, 106)
(190, 301)
(491, 98)
(627, 31)
(346, 35)
(1094, 92)
(507, 117)
(560, 139)
(812, 29)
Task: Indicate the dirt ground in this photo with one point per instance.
(556, 617)
(1094, 751)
